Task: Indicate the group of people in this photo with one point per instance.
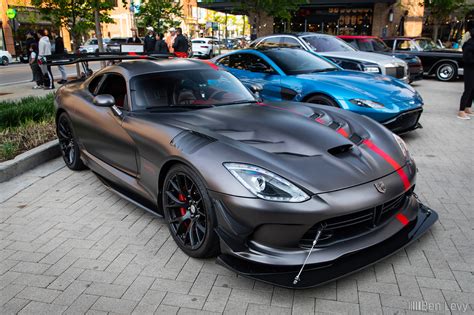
(467, 43)
(39, 47)
(175, 43)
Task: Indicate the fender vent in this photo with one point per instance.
(191, 141)
(340, 149)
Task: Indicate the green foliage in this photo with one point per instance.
(76, 15)
(30, 109)
(8, 150)
(282, 9)
(160, 14)
(442, 9)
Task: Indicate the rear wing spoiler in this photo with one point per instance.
(69, 59)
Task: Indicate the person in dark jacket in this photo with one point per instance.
(59, 51)
(160, 46)
(468, 58)
(149, 44)
(180, 44)
(134, 39)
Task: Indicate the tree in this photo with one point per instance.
(77, 16)
(440, 11)
(160, 14)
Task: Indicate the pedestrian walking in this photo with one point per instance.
(33, 61)
(149, 44)
(44, 50)
(58, 52)
(170, 39)
(30, 39)
(160, 46)
(180, 44)
(468, 58)
(134, 39)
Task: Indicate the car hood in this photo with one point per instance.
(317, 147)
(362, 56)
(356, 84)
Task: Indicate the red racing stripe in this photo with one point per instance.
(403, 219)
(342, 132)
(212, 65)
(389, 160)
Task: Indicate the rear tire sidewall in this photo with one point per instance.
(322, 100)
(443, 66)
(210, 245)
(77, 165)
(4, 61)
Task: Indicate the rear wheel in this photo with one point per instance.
(67, 143)
(5, 61)
(322, 100)
(446, 71)
(189, 212)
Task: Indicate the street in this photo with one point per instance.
(19, 73)
(67, 244)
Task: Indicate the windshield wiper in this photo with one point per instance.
(238, 102)
(324, 70)
(180, 106)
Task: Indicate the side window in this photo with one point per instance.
(353, 43)
(257, 64)
(94, 84)
(289, 42)
(271, 42)
(402, 45)
(236, 61)
(389, 44)
(224, 61)
(115, 85)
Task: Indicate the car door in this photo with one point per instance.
(250, 69)
(100, 129)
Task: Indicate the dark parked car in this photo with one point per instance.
(376, 45)
(289, 193)
(445, 64)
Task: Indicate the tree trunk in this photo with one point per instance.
(98, 32)
(435, 31)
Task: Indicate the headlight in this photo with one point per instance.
(366, 103)
(402, 145)
(266, 185)
(371, 69)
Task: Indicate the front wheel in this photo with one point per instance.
(189, 212)
(67, 143)
(446, 71)
(5, 61)
(322, 100)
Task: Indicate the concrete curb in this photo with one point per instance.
(28, 160)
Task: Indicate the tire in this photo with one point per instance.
(68, 144)
(189, 212)
(446, 71)
(5, 61)
(322, 100)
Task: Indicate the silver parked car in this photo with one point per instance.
(339, 52)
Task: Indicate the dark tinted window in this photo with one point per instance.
(389, 43)
(223, 61)
(372, 44)
(326, 43)
(289, 42)
(293, 61)
(271, 42)
(352, 42)
(114, 84)
(190, 88)
(248, 61)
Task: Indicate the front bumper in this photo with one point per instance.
(404, 122)
(329, 270)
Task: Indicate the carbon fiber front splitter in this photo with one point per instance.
(315, 275)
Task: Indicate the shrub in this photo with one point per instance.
(29, 109)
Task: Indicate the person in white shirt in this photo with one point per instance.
(44, 50)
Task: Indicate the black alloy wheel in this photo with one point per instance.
(67, 143)
(189, 213)
(322, 100)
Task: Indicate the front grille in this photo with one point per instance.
(397, 72)
(355, 224)
(404, 122)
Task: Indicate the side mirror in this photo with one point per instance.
(104, 100)
(255, 88)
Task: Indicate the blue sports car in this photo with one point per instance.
(297, 75)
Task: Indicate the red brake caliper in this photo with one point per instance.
(182, 209)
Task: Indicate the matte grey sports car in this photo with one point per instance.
(289, 193)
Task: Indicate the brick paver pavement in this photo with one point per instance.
(69, 245)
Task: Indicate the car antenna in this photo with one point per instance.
(316, 238)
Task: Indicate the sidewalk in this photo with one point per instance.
(19, 91)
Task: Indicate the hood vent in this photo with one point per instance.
(191, 141)
(340, 149)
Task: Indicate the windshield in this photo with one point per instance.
(296, 61)
(426, 44)
(372, 44)
(191, 89)
(326, 43)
